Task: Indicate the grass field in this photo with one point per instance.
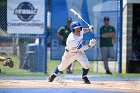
(15, 71)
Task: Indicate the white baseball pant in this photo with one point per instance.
(69, 57)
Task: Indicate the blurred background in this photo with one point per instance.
(28, 34)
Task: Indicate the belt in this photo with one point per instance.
(69, 51)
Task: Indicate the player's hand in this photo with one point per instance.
(92, 42)
(91, 28)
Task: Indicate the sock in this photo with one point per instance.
(56, 71)
(85, 72)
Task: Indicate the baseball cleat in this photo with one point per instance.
(108, 72)
(85, 79)
(51, 78)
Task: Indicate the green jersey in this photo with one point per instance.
(106, 42)
(64, 32)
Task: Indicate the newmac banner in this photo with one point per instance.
(92, 11)
(25, 16)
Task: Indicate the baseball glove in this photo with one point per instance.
(8, 62)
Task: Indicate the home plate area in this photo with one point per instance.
(62, 85)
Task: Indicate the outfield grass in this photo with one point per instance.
(15, 71)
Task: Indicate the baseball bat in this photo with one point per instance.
(75, 13)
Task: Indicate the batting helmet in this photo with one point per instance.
(75, 25)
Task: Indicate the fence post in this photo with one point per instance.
(120, 39)
(45, 38)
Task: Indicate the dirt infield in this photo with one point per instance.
(121, 86)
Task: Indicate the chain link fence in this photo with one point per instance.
(26, 50)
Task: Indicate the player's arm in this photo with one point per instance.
(91, 43)
(88, 29)
(80, 47)
(114, 35)
(108, 35)
(59, 33)
(59, 36)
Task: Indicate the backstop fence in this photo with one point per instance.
(23, 32)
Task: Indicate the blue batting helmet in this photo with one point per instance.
(74, 25)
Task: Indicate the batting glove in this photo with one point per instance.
(91, 28)
(92, 42)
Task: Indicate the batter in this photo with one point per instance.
(74, 50)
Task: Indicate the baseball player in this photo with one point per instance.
(74, 50)
(6, 62)
(107, 40)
